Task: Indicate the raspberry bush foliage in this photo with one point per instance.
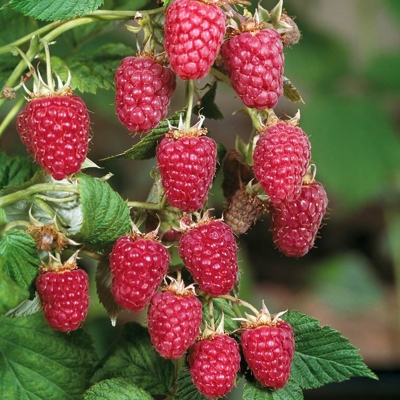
(68, 237)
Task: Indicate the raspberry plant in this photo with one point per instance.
(201, 343)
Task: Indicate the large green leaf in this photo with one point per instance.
(322, 354)
(20, 257)
(11, 294)
(15, 170)
(40, 363)
(94, 69)
(291, 391)
(134, 357)
(53, 10)
(105, 214)
(116, 389)
(355, 147)
(186, 388)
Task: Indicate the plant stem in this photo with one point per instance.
(11, 114)
(189, 102)
(211, 313)
(91, 254)
(221, 76)
(152, 206)
(13, 224)
(38, 188)
(243, 303)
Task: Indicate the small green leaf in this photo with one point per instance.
(186, 388)
(20, 257)
(146, 147)
(10, 293)
(40, 363)
(53, 10)
(291, 391)
(15, 170)
(291, 92)
(134, 357)
(116, 389)
(322, 354)
(105, 213)
(92, 70)
(207, 106)
(27, 307)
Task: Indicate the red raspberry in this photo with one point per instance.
(268, 350)
(138, 263)
(295, 224)
(55, 130)
(187, 166)
(174, 321)
(255, 62)
(213, 365)
(281, 158)
(194, 32)
(209, 252)
(64, 298)
(144, 89)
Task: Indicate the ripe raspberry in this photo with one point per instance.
(295, 224)
(55, 130)
(213, 365)
(64, 298)
(281, 158)
(244, 210)
(194, 32)
(174, 321)
(138, 264)
(268, 350)
(255, 62)
(144, 89)
(187, 164)
(209, 252)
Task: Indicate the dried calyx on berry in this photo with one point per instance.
(174, 318)
(48, 236)
(187, 163)
(268, 347)
(64, 293)
(214, 361)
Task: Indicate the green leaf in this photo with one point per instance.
(15, 170)
(92, 70)
(355, 147)
(225, 307)
(135, 357)
(186, 388)
(105, 214)
(322, 354)
(146, 147)
(40, 363)
(116, 389)
(27, 307)
(291, 92)
(10, 293)
(207, 106)
(53, 10)
(291, 391)
(20, 257)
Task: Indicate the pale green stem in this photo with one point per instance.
(13, 224)
(91, 254)
(189, 102)
(221, 76)
(46, 208)
(38, 188)
(50, 82)
(211, 313)
(152, 206)
(11, 114)
(56, 199)
(243, 303)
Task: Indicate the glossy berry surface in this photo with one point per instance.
(144, 89)
(138, 267)
(209, 252)
(295, 224)
(64, 298)
(268, 351)
(213, 365)
(174, 322)
(255, 62)
(193, 33)
(281, 158)
(187, 166)
(55, 130)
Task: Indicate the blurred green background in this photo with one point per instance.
(347, 68)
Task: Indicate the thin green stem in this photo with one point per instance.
(91, 254)
(152, 206)
(38, 188)
(56, 199)
(221, 76)
(50, 82)
(243, 303)
(13, 224)
(211, 313)
(189, 102)
(11, 114)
